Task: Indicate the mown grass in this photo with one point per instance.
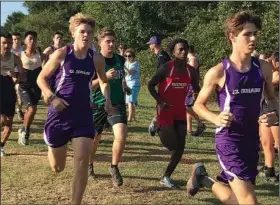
(27, 179)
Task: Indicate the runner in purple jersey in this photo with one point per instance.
(70, 113)
(239, 82)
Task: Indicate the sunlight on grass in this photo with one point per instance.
(27, 178)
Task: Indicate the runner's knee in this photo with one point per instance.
(3, 120)
(32, 109)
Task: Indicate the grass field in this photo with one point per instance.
(27, 179)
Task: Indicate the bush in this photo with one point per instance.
(147, 62)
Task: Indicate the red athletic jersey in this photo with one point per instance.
(174, 88)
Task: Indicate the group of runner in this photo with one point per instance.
(85, 90)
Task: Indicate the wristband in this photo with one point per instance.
(51, 98)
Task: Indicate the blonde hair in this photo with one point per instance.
(80, 18)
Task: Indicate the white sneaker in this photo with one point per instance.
(23, 139)
(19, 135)
(2, 152)
(166, 181)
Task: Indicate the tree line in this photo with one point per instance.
(134, 22)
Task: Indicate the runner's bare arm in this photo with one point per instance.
(99, 63)
(193, 63)
(95, 84)
(194, 80)
(46, 52)
(21, 76)
(48, 70)
(269, 88)
(213, 80)
(160, 75)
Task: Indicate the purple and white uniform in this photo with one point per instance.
(73, 84)
(52, 78)
(237, 146)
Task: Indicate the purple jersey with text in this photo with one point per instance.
(237, 146)
(73, 84)
(242, 96)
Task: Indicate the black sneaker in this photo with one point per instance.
(268, 177)
(272, 180)
(200, 130)
(151, 131)
(263, 172)
(116, 176)
(20, 115)
(91, 171)
(194, 183)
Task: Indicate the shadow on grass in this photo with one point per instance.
(32, 141)
(43, 154)
(139, 158)
(145, 106)
(149, 158)
(210, 201)
(108, 176)
(272, 188)
(28, 154)
(136, 129)
(200, 151)
(109, 143)
(152, 189)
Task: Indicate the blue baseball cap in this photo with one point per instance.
(154, 40)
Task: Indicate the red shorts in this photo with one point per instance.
(167, 115)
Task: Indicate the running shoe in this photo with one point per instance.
(194, 183)
(200, 130)
(2, 152)
(23, 138)
(91, 171)
(116, 176)
(166, 181)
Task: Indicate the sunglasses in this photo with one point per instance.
(127, 56)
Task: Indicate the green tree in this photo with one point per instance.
(135, 22)
(13, 19)
(201, 23)
(45, 24)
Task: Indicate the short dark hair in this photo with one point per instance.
(16, 34)
(235, 23)
(275, 56)
(58, 33)
(191, 48)
(175, 41)
(105, 31)
(6, 35)
(131, 51)
(32, 33)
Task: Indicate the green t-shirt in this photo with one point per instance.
(116, 89)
